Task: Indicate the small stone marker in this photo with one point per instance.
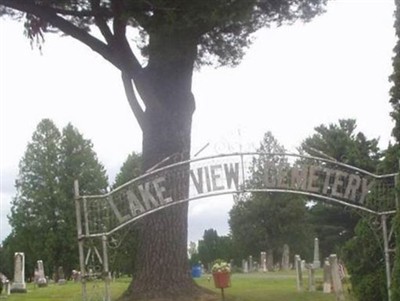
(41, 278)
(336, 282)
(299, 276)
(19, 285)
(263, 261)
(285, 257)
(327, 277)
(245, 266)
(251, 264)
(61, 277)
(311, 277)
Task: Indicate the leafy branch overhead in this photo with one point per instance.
(220, 28)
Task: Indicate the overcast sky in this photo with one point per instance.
(292, 79)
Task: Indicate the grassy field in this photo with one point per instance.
(276, 286)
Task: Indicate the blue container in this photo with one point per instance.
(196, 271)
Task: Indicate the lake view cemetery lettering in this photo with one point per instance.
(213, 178)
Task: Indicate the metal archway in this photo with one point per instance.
(99, 216)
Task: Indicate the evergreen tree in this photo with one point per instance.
(36, 209)
(78, 161)
(122, 257)
(130, 169)
(334, 225)
(395, 114)
(43, 212)
(213, 247)
(267, 221)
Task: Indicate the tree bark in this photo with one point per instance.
(162, 271)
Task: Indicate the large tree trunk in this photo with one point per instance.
(162, 271)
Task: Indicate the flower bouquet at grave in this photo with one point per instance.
(221, 272)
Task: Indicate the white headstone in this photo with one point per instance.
(41, 278)
(245, 266)
(299, 275)
(61, 277)
(327, 277)
(251, 263)
(19, 285)
(263, 261)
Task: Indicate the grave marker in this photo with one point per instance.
(19, 285)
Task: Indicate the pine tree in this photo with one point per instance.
(36, 209)
(43, 212)
(267, 221)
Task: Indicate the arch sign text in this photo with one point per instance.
(313, 177)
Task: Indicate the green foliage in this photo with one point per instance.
(122, 257)
(395, 78)
(267, 221)
(334, 225)
(395, 114)
(364, 254)
(213, 247)
(364, 260)
(396, 267)
(342, 143)
(130, 169)
(222, 29)
(43, 211)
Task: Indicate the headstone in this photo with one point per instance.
(245, 266)
(336, 282)
(327, 277)
(285, 257)
(19, 285)
(317, 262)
(8, 287)
(251, 263)
(311, 277)
(270, 260)
(61, 277)
(41, 278)
(299, 276)
(263, 261)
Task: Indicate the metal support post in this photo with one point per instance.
(106, 271)
(80, 239)
(387, 257)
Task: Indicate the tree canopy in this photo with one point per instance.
(341, 142)
(43, 212)
(268, 221)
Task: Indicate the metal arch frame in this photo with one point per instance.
(103, 235)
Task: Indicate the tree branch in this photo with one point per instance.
(50, 15)
(101, 23)
(132, 99)
(83, 13)
(134, 68)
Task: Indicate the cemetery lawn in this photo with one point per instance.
(273, 286)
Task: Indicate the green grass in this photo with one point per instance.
(277, 286)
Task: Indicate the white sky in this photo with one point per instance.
(292, 79)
